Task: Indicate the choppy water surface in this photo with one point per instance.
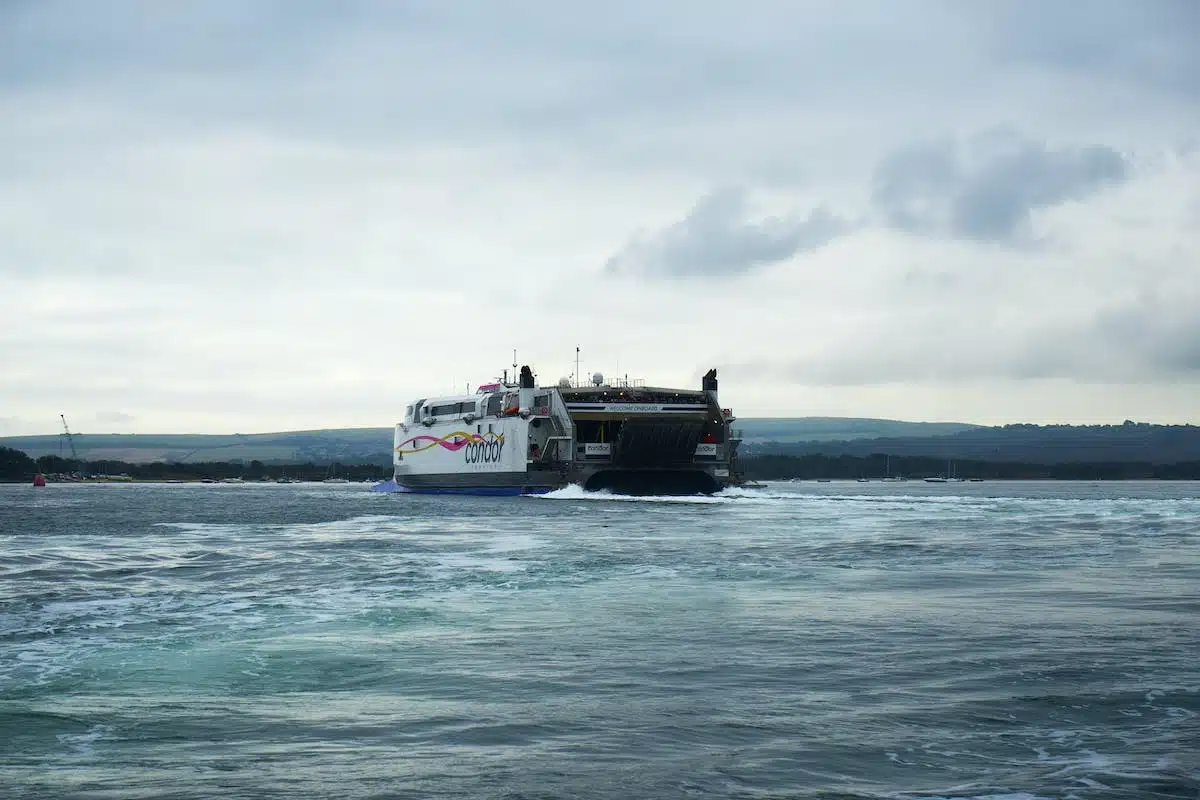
(806, 640)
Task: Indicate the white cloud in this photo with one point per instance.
(259, 217)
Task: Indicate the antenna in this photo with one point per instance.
(576, 365)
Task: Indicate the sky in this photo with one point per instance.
(230, 216)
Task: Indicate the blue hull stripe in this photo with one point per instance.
(484, 491)
(479, 491)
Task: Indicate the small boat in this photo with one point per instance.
(947, 478)
(39, 480)
(889, 477)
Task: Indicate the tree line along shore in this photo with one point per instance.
(17, 467)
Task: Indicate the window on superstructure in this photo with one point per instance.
(493, 405)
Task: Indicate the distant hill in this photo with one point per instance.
(369, 444)
(830, 436)
(1032, 444)
(827, 429)
(360, 445)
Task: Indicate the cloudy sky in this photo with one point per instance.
(231, 216)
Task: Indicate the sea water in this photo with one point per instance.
(975, 640)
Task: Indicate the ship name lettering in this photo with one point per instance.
(483, 452)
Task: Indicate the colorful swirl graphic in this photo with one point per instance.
(451, 441)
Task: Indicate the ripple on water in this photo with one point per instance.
(859, 640)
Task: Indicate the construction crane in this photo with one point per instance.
(70, 438)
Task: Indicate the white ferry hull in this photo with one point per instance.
(488, 456)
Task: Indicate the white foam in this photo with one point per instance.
(1003, 796)
(81, 743)
(576, 492)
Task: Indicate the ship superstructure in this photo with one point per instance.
(520, 438)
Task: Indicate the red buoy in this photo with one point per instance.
(39, 480)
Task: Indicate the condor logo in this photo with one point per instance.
(483, 452)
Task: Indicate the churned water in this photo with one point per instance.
(998, 640)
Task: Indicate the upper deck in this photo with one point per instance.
(600, 402)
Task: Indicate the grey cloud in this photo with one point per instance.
(381, 71)
(717, 238)
(1143, 342)
(988, 189)
(645, 87)
(1149, 44)
(1159, 334)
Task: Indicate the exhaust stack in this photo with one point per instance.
(525, 392)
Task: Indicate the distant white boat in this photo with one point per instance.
(948, 477)
(889, 477)
(331, 476)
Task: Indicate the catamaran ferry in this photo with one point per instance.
(520, 438)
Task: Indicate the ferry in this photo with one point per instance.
(515, 438)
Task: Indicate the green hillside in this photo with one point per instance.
(287, 446)
(365, 444)
(831, 429)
